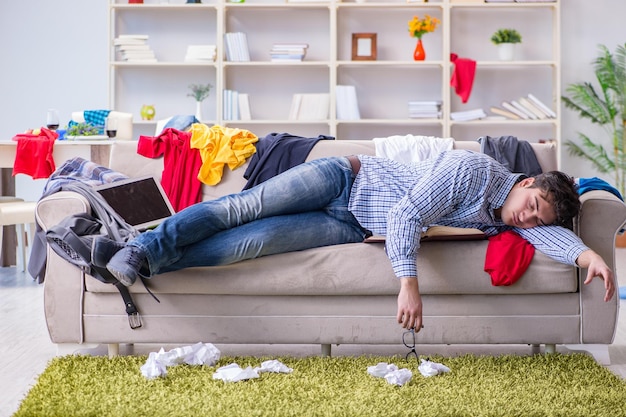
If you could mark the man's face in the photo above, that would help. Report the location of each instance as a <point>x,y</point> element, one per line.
<point>527,207</point>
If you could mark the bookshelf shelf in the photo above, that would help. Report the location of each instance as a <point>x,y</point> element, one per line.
<point>383,86</point>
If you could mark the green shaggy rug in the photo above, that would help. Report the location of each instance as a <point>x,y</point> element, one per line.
<point>540,385</point>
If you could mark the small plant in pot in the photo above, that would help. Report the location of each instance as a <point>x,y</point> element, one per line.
<point>199,92</point>
<point>506,39</point>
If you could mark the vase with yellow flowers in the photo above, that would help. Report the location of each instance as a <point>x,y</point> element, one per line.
<point>417,28</point>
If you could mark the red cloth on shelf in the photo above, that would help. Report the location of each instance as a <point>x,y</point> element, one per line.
<point>508,256</point>
<point>34,153</point>
<point>181,165</point>
<point>463,76</point>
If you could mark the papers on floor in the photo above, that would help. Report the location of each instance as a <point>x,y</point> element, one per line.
<point>467,115</point>
<point>234,373</point>
<point>134,48</point>
<point>396,376</point>
<point>428,368</point>
<point>198,354</point>
<point>425,109</point>
<point>201,53</point>
<point>288,51</point>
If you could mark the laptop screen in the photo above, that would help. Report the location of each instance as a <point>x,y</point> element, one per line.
<point>141,202</point>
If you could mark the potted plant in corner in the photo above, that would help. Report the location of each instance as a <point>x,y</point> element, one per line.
<point>199,92</point>
<point>506,39</point>
<point>607,109</point>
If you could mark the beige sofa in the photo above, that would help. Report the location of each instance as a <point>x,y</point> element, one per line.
<point>344,294</point>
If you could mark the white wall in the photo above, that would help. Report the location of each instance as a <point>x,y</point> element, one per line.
<point>54,54</point>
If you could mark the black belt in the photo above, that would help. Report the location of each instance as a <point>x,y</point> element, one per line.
<point>355,164</point>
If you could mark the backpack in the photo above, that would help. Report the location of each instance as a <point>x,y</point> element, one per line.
<point>72,239</point>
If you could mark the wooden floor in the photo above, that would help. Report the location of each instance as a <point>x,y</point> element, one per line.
<point>25,348</point>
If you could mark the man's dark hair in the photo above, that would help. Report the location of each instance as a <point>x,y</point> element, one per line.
<point>562,192</point>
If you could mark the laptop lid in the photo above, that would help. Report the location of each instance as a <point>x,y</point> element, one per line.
<point>141,202</point>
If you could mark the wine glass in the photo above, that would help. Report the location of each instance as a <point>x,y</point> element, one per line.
<point>52,119</point>
<point>110,126</point>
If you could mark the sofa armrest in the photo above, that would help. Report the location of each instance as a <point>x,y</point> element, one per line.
<point>64,283</point>
<point>55,207</point>
<point>601,217</point>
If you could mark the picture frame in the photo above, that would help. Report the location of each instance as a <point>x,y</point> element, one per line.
<point>364,47</point>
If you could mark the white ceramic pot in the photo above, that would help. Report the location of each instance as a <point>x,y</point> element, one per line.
<point>506,51</point>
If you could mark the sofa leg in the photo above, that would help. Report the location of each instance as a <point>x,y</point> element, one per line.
<point>326,350</point>
<point>550,348</point>
<point>535,349</point>
<point>114,349</point>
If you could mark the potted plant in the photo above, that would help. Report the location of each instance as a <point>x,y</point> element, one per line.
<point>506,39</point>
<point>607,109</point>
<point>199,92</point>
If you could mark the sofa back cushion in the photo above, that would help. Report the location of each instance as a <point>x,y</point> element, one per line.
<point>124,158</point>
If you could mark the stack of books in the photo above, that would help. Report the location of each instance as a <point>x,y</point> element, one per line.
<point>467,115</point>
<point>310,106</point>
<point>288,51</point>
<point>347,104</point>
<point>236,105</point>
<point>525,108</point>
<point>425,109</point>
<point>236,47</point>
<point>201,53</point>
<point>134,48</point>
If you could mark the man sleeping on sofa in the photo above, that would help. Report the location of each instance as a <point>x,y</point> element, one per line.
<point>339,200</point>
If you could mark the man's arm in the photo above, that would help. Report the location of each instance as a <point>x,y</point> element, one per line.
<point>596,267</point>
<point>410,304</point>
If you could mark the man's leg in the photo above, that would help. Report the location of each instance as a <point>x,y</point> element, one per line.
<point>268,236</point>
<point>320,184</point>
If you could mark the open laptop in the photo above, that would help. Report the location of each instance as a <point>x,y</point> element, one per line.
<point>141,202</point>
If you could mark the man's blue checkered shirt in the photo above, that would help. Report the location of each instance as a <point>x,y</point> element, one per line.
<point>458,188</point>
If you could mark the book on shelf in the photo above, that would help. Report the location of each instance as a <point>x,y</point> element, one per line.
<point>130,40</point>
<point>532,108</point>
<point>288,51</point>
<point>467,115</point>
<point>347,103</point>
<point>134,47</point>
<point>425,109</point>
<point>505,113</point>
<point>524,110</point>
<point>535,1</point>
<point>440,233</point>
<point>312,106</point>
<point>244,107</point>
<point>231,105</point>
<point>508,106</point>
<point>236,47</point>
<point>548,111</point>
<point>201,53</point>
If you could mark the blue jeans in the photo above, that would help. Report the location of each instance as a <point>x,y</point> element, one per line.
<point>302,208</point>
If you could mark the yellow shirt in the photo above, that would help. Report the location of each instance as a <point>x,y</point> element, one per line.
<point>220,146</point>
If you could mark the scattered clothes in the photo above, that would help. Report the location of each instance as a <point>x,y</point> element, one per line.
<point>181,122</point>
<point>409,149</point>
<point>181,165</point>
<point>93,117</point>
<point>507,258</point>
<point>221,146</point>
<point>429,368</point>
<point>463,76</point>
<point>622,293</point>
<point>517,156</point>
<point>595,183</point>
<point>34,153</point>
<point>277,152</point>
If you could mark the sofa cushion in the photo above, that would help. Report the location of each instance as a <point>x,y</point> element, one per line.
<point>445,268</point>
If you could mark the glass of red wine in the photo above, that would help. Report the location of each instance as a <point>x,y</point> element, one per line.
<point>52,119</point>
<point>110,126</point>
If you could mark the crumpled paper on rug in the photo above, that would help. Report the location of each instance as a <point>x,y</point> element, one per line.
<point>391,373</point>
<point>234,373</point>
<point>198,354</point>
<point>429,368</point>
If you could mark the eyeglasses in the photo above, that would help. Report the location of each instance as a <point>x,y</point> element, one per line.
<point>408,338</point>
